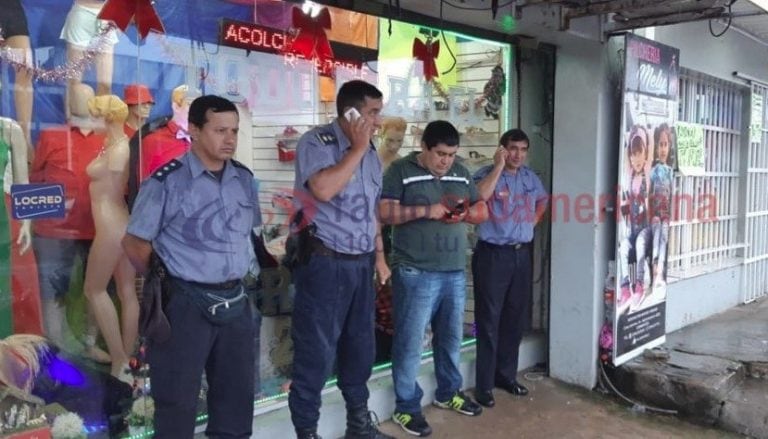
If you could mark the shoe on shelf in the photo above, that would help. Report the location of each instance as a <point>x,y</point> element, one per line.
<point>512,387</point>
<point>413,424</point>
<point>460,403</point>
<point>485,398</point>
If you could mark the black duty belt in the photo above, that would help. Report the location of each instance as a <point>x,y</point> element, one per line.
<point>228,285</point>
<point>319,248</point>
<point>517,246</point>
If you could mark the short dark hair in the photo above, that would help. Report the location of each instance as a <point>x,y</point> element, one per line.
<point>201,105</point>
<point>353,94</point>
<point>514,135</point>
<point>440,131</point>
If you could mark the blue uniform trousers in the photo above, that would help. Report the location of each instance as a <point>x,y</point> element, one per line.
<point>333,319</point>
<point>502,288</point>
<point>225,352</point>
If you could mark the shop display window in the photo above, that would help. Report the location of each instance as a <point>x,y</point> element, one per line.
<point>281,63</point>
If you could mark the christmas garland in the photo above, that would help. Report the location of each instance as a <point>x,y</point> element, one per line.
<point>71,70</point>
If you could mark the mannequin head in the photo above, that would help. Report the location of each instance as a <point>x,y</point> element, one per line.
<point>392,134</point>
<point>181,98</point>
<point>78,103</point>
<point>140,101</point>
<point>108,107</point>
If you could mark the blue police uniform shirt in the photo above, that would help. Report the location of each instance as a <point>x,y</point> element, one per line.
<point>512,207</point>
<point>347,223</point>
<point>199,226</point>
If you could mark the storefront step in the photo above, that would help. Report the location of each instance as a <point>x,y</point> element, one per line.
<point>274,420</point>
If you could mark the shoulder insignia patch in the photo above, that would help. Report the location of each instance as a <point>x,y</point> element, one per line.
<point>241,166</point>
<point>327,138</point>
<point>164,171</point>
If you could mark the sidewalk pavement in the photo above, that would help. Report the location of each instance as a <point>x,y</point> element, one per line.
<point>556,410</point>
<point>714,372</point>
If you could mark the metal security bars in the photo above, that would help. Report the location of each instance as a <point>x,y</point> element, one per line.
<point>756,227</point>
<point>705,232</point>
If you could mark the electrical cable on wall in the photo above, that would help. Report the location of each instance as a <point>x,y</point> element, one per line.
<point>469,8</point>
<point>727,26</point>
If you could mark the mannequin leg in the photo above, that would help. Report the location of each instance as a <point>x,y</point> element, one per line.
<point>102,262</point>
<point>125,278</point>
<point>23,93</point>
<point>104,69</point>
<point>73,54</point>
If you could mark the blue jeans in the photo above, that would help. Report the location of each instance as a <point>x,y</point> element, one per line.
<point>420,298</point>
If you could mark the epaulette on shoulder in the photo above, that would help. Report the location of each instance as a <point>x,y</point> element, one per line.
<point>326,137</point>
<point>241,166</point>
<point>164,171</point>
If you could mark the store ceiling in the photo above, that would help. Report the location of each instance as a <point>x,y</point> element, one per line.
<point>596,18</point>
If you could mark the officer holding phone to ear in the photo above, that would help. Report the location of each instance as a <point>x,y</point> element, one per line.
<point>501,264</point>
<point>337,188</point>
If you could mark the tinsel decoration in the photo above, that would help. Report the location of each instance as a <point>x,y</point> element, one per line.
<point>70,70</point>
<point>492,92</point>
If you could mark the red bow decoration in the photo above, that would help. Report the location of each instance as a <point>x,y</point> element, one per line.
<point>312,42</point>
<point>121,12</point>
<point>427,53</point>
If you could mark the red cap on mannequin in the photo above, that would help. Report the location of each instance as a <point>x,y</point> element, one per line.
<point>137,94</point>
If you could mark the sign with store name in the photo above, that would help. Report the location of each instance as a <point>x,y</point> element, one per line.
<point>690,148</point>
<point>651,69</point>
<point>35,201</point>
<point>258,38</point>
<point>251,36</point>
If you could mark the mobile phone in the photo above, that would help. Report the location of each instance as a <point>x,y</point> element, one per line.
<point>352,114</point>
<point>457,210</point>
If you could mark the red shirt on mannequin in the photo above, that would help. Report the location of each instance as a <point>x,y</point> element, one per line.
<point>61,156</point>
<point>162,146</point>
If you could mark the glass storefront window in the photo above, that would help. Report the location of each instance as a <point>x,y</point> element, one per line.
<point>282,66</point>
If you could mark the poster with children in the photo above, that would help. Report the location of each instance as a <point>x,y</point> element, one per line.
<point>646,181</point>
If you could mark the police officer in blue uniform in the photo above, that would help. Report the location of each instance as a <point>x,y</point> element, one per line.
<point>337,188</point>
<point>501,264</point>
<point>196,213</point>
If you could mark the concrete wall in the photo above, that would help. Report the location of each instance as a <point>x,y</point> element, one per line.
<point>584,166</point>
<point>697,298</point>
<point>718,57</point>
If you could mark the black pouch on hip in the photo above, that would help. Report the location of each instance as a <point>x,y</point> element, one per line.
<point>219,306</point>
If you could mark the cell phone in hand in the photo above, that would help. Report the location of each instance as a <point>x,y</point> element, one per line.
<point>352,114</point>
<point>457,210</point>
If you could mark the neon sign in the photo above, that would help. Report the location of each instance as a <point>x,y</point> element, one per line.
<point>251,36</point>
<point>258,38</point>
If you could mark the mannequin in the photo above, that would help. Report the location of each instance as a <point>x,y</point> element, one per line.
<point>170,141</point>
<point>14,25</point>
<point>80,30</point>
<point>109,176</point>
<point>61,244</point>
<point>140,101</point>
<point>392,135</point>
<point>22,312</point>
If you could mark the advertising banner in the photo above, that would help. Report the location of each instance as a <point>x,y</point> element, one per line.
<point>647,162</point>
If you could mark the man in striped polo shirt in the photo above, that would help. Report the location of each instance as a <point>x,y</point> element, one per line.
<point>429,199</point>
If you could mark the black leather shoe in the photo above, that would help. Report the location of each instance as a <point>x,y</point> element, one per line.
<point>485,398</point>
<point>512,387</point>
